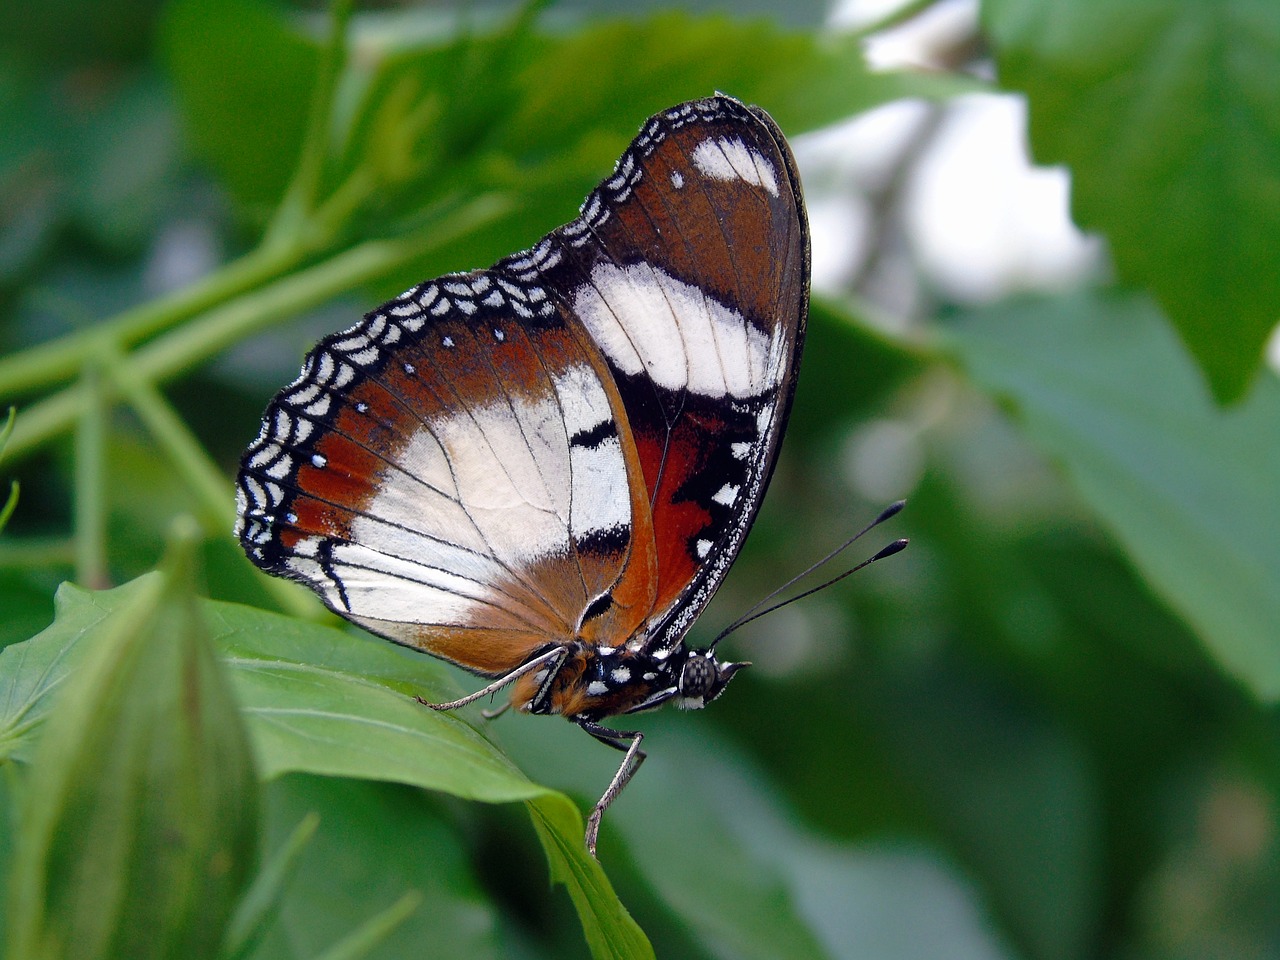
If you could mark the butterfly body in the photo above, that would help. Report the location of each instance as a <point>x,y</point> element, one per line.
<point>542,471</point>
<point>591,685</point>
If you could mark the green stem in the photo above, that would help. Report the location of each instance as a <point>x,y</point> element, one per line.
<point>91,482</point>
<point>10,505</point>
<point>185,453</point>
<point>373,931</point>
<point>293,217</point>
<point>202,338</point>
<point>37,553</point>
<point>11,501</point>
<point>61,359</point>
<point>213,495</point>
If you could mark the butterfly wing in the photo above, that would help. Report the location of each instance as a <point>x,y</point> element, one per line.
<point>689,270</point>
<point>572,443</point>
<point>452,473</point>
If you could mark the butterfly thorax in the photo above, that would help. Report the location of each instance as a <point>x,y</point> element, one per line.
<point>594,682</point>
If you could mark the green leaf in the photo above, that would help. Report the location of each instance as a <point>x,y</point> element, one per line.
<point>891,901</point>
<point>425,109</point>
<point>589,888</point>
<point>1168,114</point>
<point>320,700</point>
<point>805,79</point>
<point>736,901</point>
<point>723,854</point>
<point>734,893</point>
<point>1013,792</point>
<point>32,672</point>
<point>139,821</point>
<point>1187,489</point>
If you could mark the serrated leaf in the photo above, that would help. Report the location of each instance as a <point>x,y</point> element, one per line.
<point>1168,114</point>
<point>1188,490</point>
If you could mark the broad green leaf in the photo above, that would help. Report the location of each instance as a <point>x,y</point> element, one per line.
<point>724,855</point>
<point>32,672</point>
<point>1168,114</point>
<point>735,900</point>
<point>320,700</point>
<point>804,79</point>
<point>139,820</point>
<point>589,888</point>
<point>1011,790</point>
<point>892,902</point>
<point>732,891</point>
<point>1188,490</point>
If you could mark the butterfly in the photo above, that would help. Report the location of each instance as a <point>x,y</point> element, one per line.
<point>543,470</point>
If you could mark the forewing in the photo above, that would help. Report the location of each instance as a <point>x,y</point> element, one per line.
<point>689,270</point>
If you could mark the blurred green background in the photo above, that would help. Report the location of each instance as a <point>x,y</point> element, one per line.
<point>1045,731</point>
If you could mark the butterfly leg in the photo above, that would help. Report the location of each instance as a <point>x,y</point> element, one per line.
<point>628,741</point>
<point>556,654</point>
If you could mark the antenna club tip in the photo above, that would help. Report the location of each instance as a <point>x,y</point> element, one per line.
<point>896,547</point>
<point>891,511</point>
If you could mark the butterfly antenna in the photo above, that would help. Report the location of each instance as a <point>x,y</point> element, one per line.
<point>761,608</point>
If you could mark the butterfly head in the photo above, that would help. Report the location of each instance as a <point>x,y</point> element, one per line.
<point>702,678</point>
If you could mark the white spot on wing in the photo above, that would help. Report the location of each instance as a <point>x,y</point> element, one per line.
<point>726,159</point>
<point>582,398</point>
<point>599,495</point>
<point>601,500</point>
<point>646,320</point>
<point>500,484</point>
<point>726,495</point>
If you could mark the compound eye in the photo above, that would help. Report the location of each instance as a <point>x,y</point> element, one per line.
<point>697,677</point>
